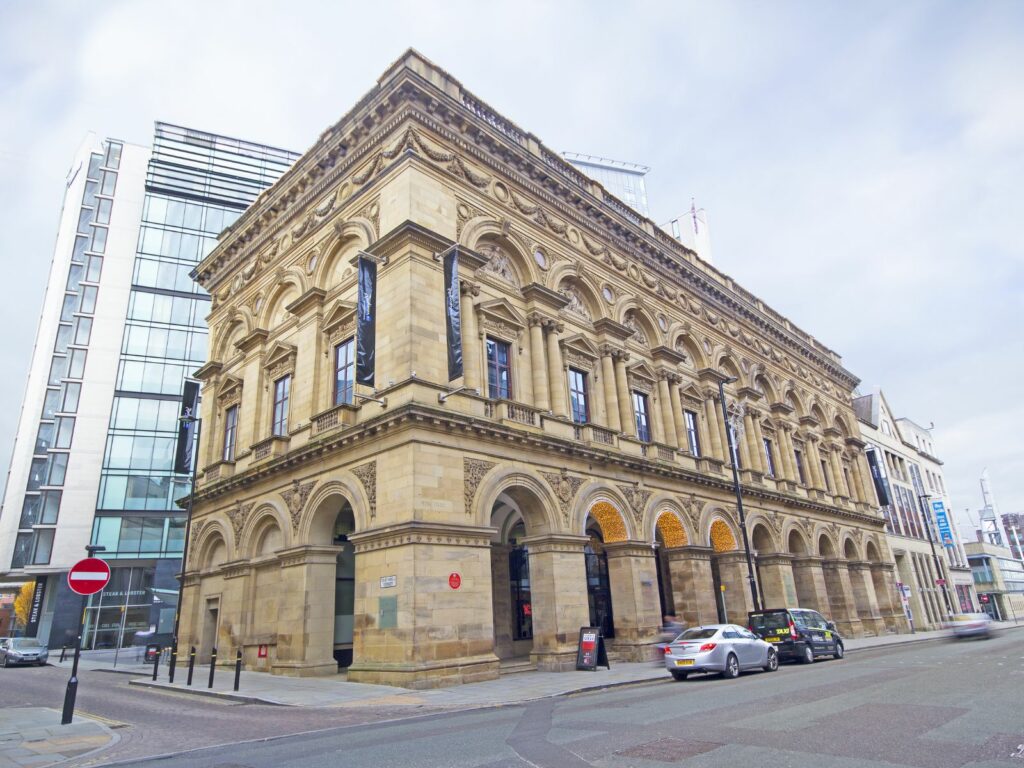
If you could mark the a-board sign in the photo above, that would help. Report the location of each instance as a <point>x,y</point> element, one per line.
<point>590,651</point>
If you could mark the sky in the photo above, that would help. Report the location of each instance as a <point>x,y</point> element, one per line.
<point>861,163</point>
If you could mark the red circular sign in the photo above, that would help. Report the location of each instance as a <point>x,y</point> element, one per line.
<point>89,576</point>
<point>454,580</point>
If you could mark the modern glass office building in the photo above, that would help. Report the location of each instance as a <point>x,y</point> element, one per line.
<point>624,180</point>
<point>122,326</point>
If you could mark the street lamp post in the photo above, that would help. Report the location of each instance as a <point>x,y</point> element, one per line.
<point>739,492</point>
<point>184,552</point>
<point>922,500</point>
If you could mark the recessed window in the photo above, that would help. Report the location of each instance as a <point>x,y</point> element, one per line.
<point>499,369</point>
<point>799,457</point>
<point>641,416</point>
<point>282,389</point>
<point>230,432</point>
<point>578,396</point>
<point>692,432</point>
<point>769,458</point>
<point>58,468</point>
<point>344,372</point>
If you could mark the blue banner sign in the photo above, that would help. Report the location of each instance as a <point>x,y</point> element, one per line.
<point>942,520</point>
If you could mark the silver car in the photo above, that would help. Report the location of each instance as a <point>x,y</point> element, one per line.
<point>724,648</point>
<point>22,650</point>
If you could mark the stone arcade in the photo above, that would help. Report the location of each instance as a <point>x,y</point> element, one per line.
<point>576,475</point>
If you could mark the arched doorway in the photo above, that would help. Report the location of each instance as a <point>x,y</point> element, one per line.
<point>669,533</point>
<point>603,524</point>
<point>512,589</point>
<point>722,541</point>
<point>333,524</point>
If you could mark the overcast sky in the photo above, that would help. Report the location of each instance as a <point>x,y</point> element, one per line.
<point>861,163</point>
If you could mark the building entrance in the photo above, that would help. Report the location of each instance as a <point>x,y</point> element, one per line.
<point>344,587</point>
<point>599,592</point>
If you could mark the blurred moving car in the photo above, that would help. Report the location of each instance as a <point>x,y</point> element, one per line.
<point>971,625</point>
<point>723,648</point>
<point>22,650</point>
<point>797,633</point>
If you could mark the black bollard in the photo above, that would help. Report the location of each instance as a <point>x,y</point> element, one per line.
<point>156,663</point>
<point>63,650</point>
<point>213,666</point>
<point>191,664</point>
<point>238,668</point>
<point>173,662</point>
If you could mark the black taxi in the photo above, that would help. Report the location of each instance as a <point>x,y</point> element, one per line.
<point>797,633</point>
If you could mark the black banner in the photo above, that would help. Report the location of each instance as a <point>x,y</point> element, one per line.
<point>453,312</point>
<point>366,322</point>
<point>187,428</point>
<point>881,487</point>
<point>35,613</point>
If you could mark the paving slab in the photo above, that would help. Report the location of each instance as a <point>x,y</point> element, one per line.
<point>33,736</point>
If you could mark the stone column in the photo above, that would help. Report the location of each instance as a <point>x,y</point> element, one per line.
<point>810,583</point>
<point>540,376</point>
<point>558,588</point>
<point>754,459</point>
<point>775,574</point>
<point>428,630</point>
<point>501,600</point>
<point>742,446</point>
<point>693,586</point>
<point>869,482</point>
<point>305,620</point>
<point>718,445</point>
<point>556,373</point>
<point>611,400</point>
<point>732,574</point>
<point>598,406</point>
<point>654,417</point>
<point>633,578</point>
<point>677,415</point>
<point>470,338</point>
<point>889,604</point>
<point>814,463</point>
<point>627,423</point>
<point>786,452</point>
<point>668,419</point>
<point>837,472</point>
<point>864,598</point>
<point>759,440</point>
<point>829,469</point>
<point>840,595</point>
<point>858,479</point>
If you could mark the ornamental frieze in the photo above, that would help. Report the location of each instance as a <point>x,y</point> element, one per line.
<point>296,498</point>
<point>637,498</point>
<point>238,515</point>
<point>367,474</point>
<point>473,471</point>
<point>565,487</point>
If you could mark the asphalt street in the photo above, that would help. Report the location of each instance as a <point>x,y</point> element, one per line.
<point>933,705</point>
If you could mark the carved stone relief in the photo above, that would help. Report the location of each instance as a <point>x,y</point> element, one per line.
<point>367,474</point>
<point>473,471</point>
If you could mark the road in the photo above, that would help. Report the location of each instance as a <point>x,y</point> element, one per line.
<point>933,705</point>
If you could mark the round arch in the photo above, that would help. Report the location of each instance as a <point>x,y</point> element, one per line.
<point>531,494</point>
<point>633,315</point>
<point>488,236</point>
<point>671,528</point>
<point>330,265</point>
<point>721,536</point>
<point>289,287</point>
<point>871,551</point>
<point>796,542</point>
<point>850,550</point>
<point>687,343</point>
<point>571,283</point>
<point>251,540</point>
<point>212,549</point>
<point>592,493</point>
<point>826,547</point>
<point>316,523</point>
<point>659,505</point>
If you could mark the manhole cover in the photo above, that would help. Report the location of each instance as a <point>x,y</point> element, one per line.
<point>670,750</point>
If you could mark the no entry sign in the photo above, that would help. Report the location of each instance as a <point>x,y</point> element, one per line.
<point>88,576</point>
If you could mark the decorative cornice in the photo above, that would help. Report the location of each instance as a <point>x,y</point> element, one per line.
<point>421,532</point>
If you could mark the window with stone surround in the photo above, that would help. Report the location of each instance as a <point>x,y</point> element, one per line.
<point>344,372</point>
<point>282,391</point>
<point>230,432</point>
<point>642,416</point>
<point>692,432</point>
<point>499,369</point>
<point>578,396</point>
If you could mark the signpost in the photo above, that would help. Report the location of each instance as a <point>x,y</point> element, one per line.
<point>86,577</point>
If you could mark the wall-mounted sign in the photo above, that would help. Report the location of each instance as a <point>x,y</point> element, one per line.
<point>36,611</point>
<point>386,582</point>
<point>262,652</point>
<point>942,520</point>
<point>454,580</point>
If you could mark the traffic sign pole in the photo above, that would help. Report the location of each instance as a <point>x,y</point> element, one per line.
<point>89,585</point>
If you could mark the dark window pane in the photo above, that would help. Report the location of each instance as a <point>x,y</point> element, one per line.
<point>30,511</point>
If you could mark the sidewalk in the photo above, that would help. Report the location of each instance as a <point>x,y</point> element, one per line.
<point>33,737</point>
<point>259,687</point>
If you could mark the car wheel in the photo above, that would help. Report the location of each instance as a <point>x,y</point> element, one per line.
<point>732,667</point>
<point>840,652</point>
<point>677,675</point>
<point>773,661</point>
<point>808,655</point>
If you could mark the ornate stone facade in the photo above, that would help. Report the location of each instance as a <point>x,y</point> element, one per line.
<point>426,499</point>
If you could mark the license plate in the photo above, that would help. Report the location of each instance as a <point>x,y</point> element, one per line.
<point>684,662</point>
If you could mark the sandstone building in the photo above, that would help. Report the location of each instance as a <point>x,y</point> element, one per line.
<point>422,532</point>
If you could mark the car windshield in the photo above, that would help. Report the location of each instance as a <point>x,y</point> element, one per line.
<point>765,622</point>
<point>698,633</point>
<point>24,642</point>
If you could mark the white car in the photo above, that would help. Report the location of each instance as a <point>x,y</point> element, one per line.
<point>727,649</point>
